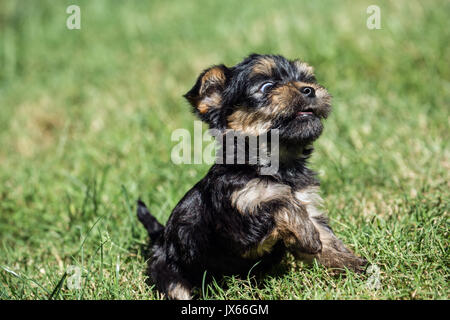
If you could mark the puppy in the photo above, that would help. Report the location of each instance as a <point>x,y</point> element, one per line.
<point>240,214</point>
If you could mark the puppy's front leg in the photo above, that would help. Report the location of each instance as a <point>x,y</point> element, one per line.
<point>292,223</point>
<point>297,230</point>
<point>334,253</point>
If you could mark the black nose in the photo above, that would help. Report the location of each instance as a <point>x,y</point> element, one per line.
<point>308,91</point>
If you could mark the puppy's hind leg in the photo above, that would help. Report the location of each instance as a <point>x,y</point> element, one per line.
<point>167,277</point>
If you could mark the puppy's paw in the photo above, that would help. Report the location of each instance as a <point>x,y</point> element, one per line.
<point>359,265</point>
<point>341,260</point>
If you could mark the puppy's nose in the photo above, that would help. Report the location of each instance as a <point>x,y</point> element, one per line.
<point>308,91</point>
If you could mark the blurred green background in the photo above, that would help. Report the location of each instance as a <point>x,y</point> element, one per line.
<point>87,115</point>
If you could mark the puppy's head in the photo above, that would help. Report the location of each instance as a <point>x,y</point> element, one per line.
<point>261,93</point>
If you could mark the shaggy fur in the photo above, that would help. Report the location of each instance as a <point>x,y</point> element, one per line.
<point>236,216</point>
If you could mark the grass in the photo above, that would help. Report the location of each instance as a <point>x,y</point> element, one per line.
<point>87,115</point>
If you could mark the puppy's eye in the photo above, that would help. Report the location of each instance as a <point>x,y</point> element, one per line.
<point>266,86</point>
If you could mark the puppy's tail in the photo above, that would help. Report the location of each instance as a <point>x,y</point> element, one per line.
<point>154,228</point>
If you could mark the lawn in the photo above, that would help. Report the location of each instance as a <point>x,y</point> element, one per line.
<point>87,116</point>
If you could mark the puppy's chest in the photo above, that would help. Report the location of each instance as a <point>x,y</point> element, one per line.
<point>291,202</point>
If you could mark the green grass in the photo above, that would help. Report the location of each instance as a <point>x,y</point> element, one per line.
<point>87,115</point>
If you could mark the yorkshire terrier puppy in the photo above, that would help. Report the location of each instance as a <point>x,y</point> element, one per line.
<point>239,215</point>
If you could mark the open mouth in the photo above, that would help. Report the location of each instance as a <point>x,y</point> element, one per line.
<point>305,114</point>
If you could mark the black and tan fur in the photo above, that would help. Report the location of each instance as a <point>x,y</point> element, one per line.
<point>236,216</point>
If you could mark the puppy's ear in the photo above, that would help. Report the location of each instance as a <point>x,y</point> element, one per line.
<point>206,96</point>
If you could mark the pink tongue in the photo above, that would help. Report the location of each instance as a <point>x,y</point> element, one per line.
<point>306,112</point>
